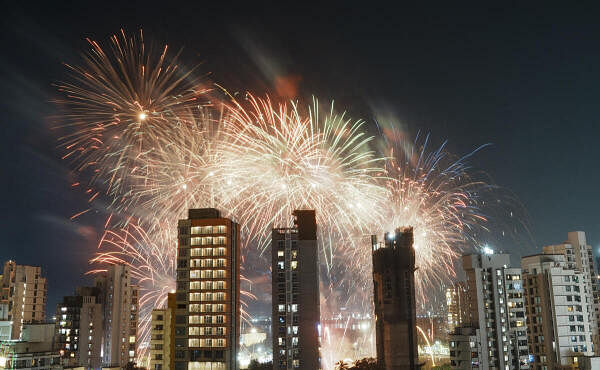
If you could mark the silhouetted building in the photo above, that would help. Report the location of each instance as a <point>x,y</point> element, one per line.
<point>394,296</point>
<point>296,309</point>
<point>207,309</point>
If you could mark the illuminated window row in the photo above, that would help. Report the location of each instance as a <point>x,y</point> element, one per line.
<point>220,296</point>
<point>207,285</point>
<point>220,229</point>
<point>207,330</point>
<point>293,265</point>
<point>207,240</point>
<point>206,342</point>
<point>291,308</point>
<point>208,252</point>
<point>206,319</point>
<point>209,307</point>
<point>220,262</point>
<point>207,274</point>
<point>294,341</point>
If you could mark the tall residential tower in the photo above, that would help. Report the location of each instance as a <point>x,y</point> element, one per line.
<point>207,309</point>
<point>296,310</point>
<point>120,306</point>
<point>23,293</point>
<point>394,296</point>
<point>497,307</point>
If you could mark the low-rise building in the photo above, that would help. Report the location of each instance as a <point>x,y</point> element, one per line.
<point>35,349</point>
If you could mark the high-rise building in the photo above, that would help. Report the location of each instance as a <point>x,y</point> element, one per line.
<point>497,307</point>
<point>207,314</point>
<point>295,284</point>
<point>162,336</point>
<point>457,302</point>
<point>24,290</point>
<point>558,317</point>
<point>579,256</point>
<point>79,331</point>
<point>120,307</point>
<point>465,348</point>
<point>394,296</point>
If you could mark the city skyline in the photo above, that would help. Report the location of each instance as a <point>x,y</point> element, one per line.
<point>475,126</point>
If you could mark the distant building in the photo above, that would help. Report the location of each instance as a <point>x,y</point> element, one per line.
<point>80,332</point>
<point>207,314</point>
<point>579,256</point>
<point>588,363</point>
<point>465,349</point>
<point>162,336</point>
<point>457,301</point>
<point>296,305</point>
<point>24,290</point>
<point>35,349</point>
<point>394,296</point>
<point>559,325</point>
<point>120,307</point>
<point>497,307</point>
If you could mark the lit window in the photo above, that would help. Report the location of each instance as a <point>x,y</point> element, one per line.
<point>194,342</point>
<point>219,240</point>
<point>131,339</point>
<point>294,265</point>
<point>281,308</point>
<point>280,253</point>
<point>196,241</point>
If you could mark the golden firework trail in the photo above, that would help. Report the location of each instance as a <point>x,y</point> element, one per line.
<point>155,142</point>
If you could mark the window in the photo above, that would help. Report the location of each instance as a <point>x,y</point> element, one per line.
<point>219,240</point>
<point>294,265</point>
<point>221,229</point>
<point>194,342</point>
<point>196,240</point>
<point>280,253</point>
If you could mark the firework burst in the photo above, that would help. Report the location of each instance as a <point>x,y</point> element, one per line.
<point>119,100</point>
<point>149,136</point>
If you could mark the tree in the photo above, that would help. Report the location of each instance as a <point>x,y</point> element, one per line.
<point>255,365</point>
<point>366,363</point>
<point>341,365</point>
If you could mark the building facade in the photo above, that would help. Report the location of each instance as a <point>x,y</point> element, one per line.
<point>394,296</point>
<point>34,350</point>
<point>579,256</point>
<point>80,331</point>
<point>24,290</point>
<point>558,318</point>
<point>295,284</point>
<point>120,307</point>
<point>495,291</point>
<point>208,292</point>
<point>465,348</point>
<point>162,336</point>
<point>457,302</point>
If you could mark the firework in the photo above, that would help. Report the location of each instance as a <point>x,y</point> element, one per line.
<point>118,102</point>
<point>152,141</point>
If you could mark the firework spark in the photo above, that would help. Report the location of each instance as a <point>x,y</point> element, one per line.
<point>152,141</point>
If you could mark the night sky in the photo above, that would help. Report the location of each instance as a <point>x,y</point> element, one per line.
<point>524,79</point>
